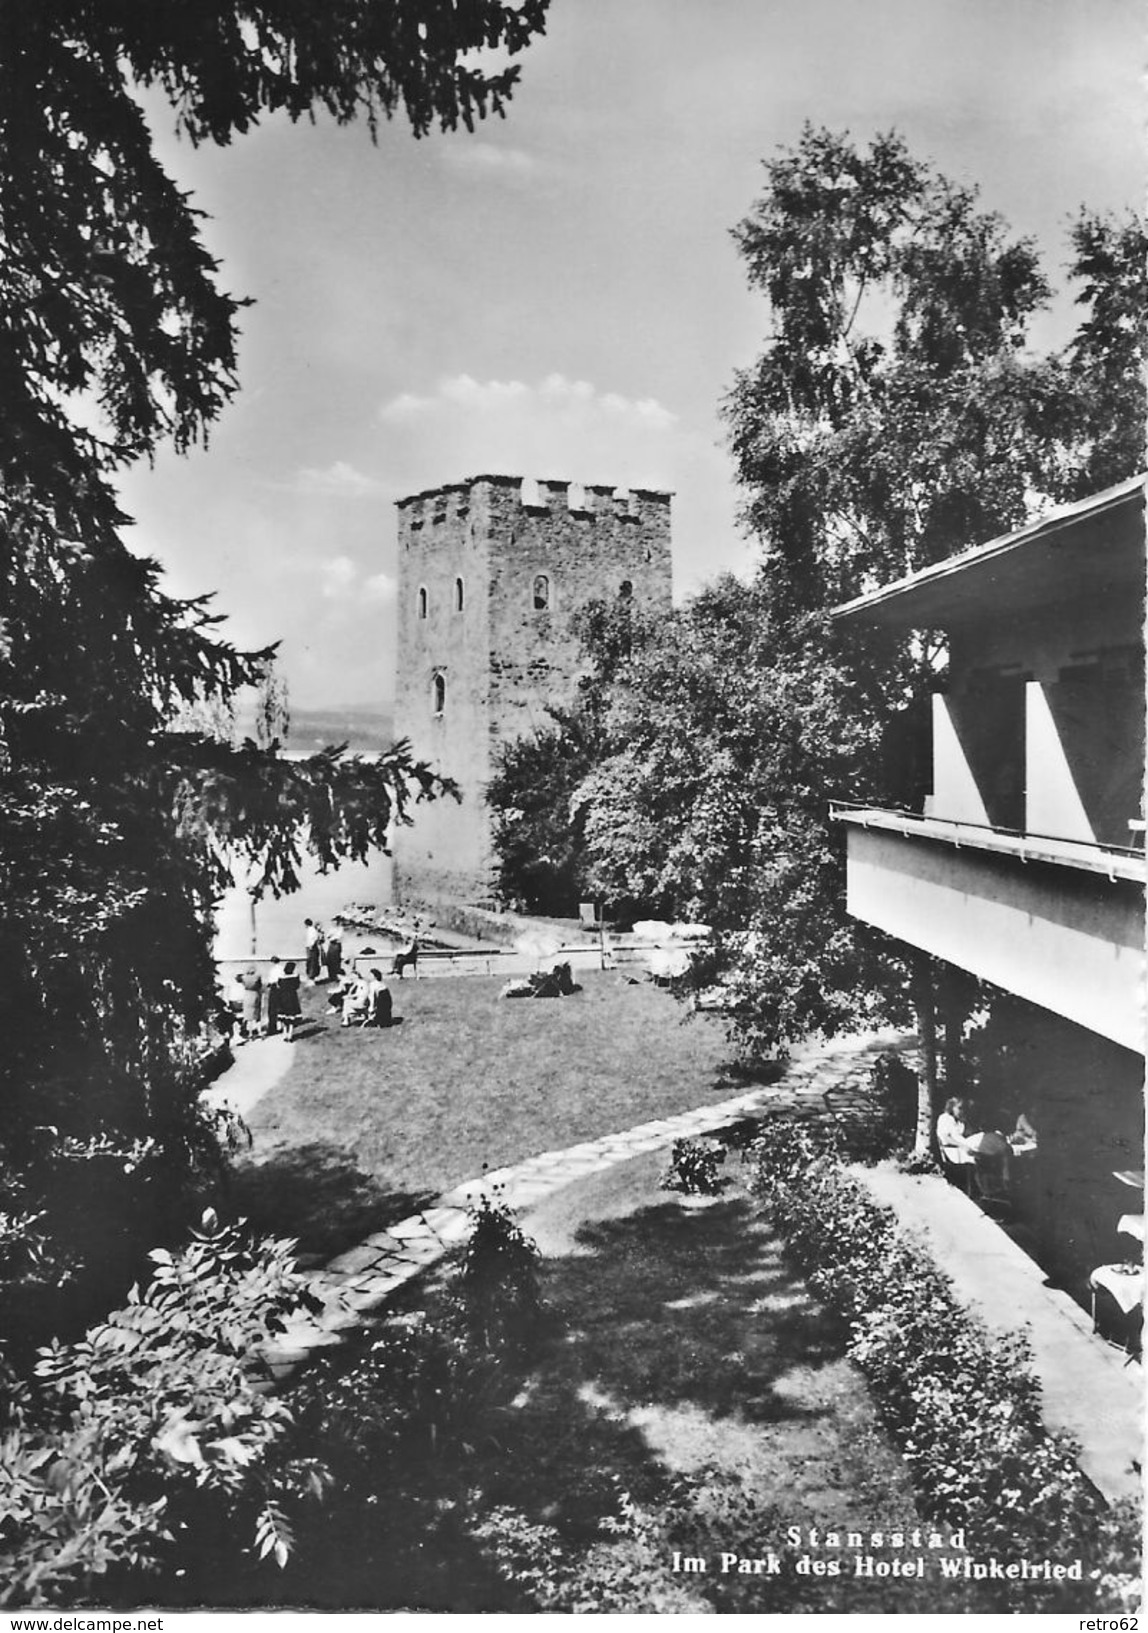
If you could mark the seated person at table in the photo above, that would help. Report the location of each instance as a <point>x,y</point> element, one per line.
<point>1023,1136</point>
<point>992,1155</point>
<point>952,1135</point>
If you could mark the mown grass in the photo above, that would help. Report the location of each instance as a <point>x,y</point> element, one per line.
<point>684,1367</point>
<point>367,1126</point>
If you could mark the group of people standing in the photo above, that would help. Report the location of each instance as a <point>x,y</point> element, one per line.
<point>263,1005</point>
<point>266,1005</point>
<point>323,954</point>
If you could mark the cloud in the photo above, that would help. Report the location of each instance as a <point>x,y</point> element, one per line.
<point>381,585</point>
<point>337,575</point>
<point>338,481</point>
<point>487,158</point>
<point>556,428</point>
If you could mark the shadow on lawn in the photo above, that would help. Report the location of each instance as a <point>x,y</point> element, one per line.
<point>662,1310</point>
<point>685,1367</point>
<point>315,1194</point>
<point>690,1369</point>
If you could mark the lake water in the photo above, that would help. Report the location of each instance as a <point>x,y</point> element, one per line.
<point>279,924</point>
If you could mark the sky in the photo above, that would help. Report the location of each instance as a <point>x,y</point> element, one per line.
<point>558,295</point>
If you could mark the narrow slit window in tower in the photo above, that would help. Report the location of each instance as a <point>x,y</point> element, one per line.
<point>459,595</point>
<point>422,600</point>
<point>541,592</point>
<point>439,694</point>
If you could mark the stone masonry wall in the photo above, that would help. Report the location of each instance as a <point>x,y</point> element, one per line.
<point>497,661</point>
<point>584,553</point>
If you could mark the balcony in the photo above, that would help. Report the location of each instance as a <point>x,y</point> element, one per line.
<point>1057,921</point>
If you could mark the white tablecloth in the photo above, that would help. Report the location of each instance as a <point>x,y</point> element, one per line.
<point>1125,1285</point>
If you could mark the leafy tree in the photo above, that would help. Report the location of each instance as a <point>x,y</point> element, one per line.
<point>118,819</point>
<point>537,841</point>
<point>538,837</point>
<point>897,415</point>
<point>724,745</point>
<point>894,414</point>
<point>1107,361</point>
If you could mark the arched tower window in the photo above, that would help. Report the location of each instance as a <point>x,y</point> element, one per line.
<point>422,600</point>
<point>626,590</point>
<point>541,593</point>
<point>459,595</point>
<point>438,693</point>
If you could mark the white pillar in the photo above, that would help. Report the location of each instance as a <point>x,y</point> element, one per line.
<point>1054,805</point>
<point>955,792</point>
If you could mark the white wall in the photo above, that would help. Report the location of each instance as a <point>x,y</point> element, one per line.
<point>1068,940</point>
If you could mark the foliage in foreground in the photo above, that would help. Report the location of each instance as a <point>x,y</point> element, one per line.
<point>119,819</point>
<point>962,1403</point>
<point>695,1168</point>
<point>116,1447</point>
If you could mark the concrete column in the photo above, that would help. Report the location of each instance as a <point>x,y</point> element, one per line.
<point>1053,804</point>
<point>955,791</point>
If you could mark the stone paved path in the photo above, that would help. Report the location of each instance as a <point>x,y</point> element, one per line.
<point>258,1066</point>
<point>828,1081</point>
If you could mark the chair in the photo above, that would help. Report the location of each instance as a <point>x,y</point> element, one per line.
<point>588,916</point>
<point>959,1174</point>
<point>993,1189</point>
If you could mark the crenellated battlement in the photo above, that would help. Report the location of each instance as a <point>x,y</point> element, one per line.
<point>550,495</point>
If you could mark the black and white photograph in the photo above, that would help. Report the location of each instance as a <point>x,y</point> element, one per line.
<point>634,506</point>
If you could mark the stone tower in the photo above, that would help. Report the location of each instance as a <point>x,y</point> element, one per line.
<point>491,572</point>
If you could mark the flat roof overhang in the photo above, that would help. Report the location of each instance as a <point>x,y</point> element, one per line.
<point>1088,550</point>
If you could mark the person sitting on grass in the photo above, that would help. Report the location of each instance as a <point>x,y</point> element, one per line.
<point>356,1002</point>
<point>380,1006</point>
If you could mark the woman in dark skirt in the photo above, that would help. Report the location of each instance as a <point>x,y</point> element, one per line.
<point>289,1010</point>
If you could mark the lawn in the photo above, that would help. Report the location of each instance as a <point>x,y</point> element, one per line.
<point>368,1126</point>
<point>685,1368</point>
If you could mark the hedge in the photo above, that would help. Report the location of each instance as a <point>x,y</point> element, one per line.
<point>962,1403</point>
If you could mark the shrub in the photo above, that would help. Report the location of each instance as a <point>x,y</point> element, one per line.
<point>117,1441</point>
<point>409,1399</point>
<point>627,1570</point>
<point>890,1120</point>
<point>694,1166</point>
<point>499,1298</point>
<point>962,1403</point>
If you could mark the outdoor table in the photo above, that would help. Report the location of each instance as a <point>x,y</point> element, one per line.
<point>988,1143</point>
<point>1130,1176</point>
<point>1124,1284</point>
<point>1131,1224</point>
